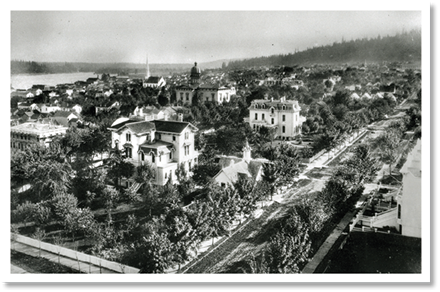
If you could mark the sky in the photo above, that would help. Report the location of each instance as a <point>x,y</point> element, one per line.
<point>186,36</point>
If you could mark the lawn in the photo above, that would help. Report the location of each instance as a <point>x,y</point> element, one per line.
<point>38,265</point>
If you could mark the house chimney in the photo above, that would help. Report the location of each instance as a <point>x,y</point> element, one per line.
<point>247,152</point>
<point>152,136</point>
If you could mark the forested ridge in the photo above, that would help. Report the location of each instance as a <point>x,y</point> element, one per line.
<point>31,67</point>
<point>403,47</point>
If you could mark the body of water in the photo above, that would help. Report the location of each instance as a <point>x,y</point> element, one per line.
<point>25,81</point>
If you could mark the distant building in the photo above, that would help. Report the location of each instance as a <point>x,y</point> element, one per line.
<point>281,114</point>
<point>185,93</point>
<point>153,81</point>
<point>24,134</point>
<point>150,113</point>
<point>163,144</point>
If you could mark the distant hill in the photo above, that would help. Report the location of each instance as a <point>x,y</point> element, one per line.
<point>401,47</point>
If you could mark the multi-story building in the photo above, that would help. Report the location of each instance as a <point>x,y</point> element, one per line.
<point>281,114</point>
<point>409,201</point>
<point>205,92</point>
<point>27,133</point>
<point>163,144</point>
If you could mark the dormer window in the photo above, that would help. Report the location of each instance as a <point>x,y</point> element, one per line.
<point>284,107</point>
<point>128,137</point>
<point>256,105</point>
<point>272,110</point>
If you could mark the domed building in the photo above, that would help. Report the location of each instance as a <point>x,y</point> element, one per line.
<point>204,91</point>
<point>195,74</point>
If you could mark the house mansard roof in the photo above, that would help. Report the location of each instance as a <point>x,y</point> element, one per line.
<point>143,127</point>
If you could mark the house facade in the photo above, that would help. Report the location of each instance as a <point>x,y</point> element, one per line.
<point>27,133</point>
<point>281,114</point>
<point>162,144</point>
<point>185,93</point>
<point>206,92</point>
<point>409,200</point>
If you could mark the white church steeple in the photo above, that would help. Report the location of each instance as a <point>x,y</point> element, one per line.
<point>148,69</point>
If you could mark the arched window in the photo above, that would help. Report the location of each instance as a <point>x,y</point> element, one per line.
<point>399,210</point>
<point>142,156</point>
<point>272,110</point>
<point>284,107</point>
<point>153,159</point>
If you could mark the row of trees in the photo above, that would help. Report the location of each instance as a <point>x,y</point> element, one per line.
<point>163,232</point>
<point>300,232</point>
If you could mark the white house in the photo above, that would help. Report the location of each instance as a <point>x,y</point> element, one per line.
<point>49,108</point>
<point>409,201</point>
<point>281,114</point>
<point>163,144</point>
<point>206,92</point>
<point>77,108</point>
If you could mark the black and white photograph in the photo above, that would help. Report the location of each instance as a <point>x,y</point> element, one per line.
<point>244,144</point>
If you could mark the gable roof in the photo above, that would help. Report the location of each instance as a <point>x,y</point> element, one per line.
<point>153,79</point>
<point>61,121</point>
<point>172,126</point>
<point>63,114</point>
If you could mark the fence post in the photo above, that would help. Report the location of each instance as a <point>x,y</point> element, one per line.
<point>76,254</point>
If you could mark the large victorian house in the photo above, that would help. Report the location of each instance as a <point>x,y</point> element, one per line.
<point>163,144</point>
<point>281,114</point>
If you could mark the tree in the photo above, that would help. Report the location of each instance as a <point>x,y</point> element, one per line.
<point>119,168</point>
<point>289,247</point>
<point>271,176</point>
<point>334,194</point>
<point>153,253</point>
<point>388,143</point>
<point>185,182</point>
<point>204,172</point>
<point>111,196</point>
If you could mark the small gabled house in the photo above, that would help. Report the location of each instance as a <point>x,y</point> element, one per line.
<point>234,168</point>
